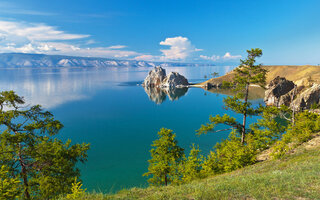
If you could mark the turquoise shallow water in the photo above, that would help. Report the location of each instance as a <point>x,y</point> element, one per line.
<point>106,107</point>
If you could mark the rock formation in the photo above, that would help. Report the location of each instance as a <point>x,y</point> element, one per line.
<point>278,92</point>
<point>174,79</point>
<point>307,98</point>
<point>284,92</point>
<point>157,78</point>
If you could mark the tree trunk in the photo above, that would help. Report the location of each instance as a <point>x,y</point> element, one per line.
<point>24,174</point>
<point>293,108</point>
<point>243,134</point>
<point>166,180</point>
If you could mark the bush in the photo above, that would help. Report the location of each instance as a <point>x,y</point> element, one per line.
<point>307,124</point>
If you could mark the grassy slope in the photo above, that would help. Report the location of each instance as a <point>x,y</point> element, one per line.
<point>290,72</point>
<point>295,177</point>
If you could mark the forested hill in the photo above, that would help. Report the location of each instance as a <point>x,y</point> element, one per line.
<point>42,60</point>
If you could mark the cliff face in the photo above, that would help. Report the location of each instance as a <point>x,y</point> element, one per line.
<point>278,92</point>
<point>284,92</point>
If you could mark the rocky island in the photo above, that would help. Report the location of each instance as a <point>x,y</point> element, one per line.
<point>158,85</point>
<point>157,78</point>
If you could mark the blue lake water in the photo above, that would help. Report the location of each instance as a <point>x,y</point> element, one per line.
<point>106,108</point>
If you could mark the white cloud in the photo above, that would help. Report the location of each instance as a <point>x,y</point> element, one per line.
<point>35,32</point>
<point>147,58</point>
<point>180,48</point>
<point>227,56</point>
<point>117,47</point>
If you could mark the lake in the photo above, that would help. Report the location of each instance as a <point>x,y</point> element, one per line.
<point>107,108</point>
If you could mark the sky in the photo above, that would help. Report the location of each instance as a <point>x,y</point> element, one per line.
<point>217,31</point>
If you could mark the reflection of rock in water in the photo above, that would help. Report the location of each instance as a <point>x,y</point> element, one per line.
<point>175,93</point>
<point>159,95</point>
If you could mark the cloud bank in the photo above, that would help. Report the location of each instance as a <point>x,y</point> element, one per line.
<point>23,37</point>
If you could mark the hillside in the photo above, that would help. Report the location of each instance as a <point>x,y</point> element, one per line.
<point>9,60</point>
<point>300,74</point>
<point>294,177</point>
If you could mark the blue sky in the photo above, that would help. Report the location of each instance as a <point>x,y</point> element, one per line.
<point>288,31</point>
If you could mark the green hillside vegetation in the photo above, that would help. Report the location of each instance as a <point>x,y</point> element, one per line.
<point>295,176</point>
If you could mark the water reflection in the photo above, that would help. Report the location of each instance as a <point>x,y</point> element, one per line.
<point>159,95</point>
<point>53,87</point>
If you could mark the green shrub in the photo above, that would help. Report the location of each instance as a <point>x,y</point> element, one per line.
<point>306,125</point>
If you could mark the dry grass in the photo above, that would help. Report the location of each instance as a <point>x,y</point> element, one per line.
<point>300,74</point>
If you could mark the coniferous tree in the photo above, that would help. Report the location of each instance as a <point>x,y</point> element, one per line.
<point>44,165</point>
<point>191,167</point>
<point>9,186</point>
<point>246,73</point>
<point>166,156</point>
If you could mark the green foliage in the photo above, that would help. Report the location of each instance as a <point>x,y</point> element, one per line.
<point>214,121</point>
<point>229,155</point>
<point>9,186</point>
<point>191,166</point>
<point>76,190</point>
<point>267,130</point>
<point>247,73</point>
<point>44,165</point>
<point>166,156</point>
<point>315,106</point>
<point>306,125</point>
<point>215,74</point>
<point>226,85</point>
<point>236,151</point>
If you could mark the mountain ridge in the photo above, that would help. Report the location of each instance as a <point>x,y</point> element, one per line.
<point>14,60</point>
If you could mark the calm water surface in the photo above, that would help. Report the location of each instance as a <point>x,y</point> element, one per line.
<point>106,108</point>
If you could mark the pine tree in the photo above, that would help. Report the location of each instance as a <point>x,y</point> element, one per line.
<point>9,186</point>
<point>44,165</point>
<point>191,167</point>
<point>166,156</point>
<point>246,74</point>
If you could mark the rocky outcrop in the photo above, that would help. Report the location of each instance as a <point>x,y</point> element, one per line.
<point>279,92</point>
<point>284,92</point>
<point>174,79</point>
<point>157,78</point>
<point>307,98</point>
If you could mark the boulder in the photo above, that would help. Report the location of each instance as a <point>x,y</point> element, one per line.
<point>278,92</point>
<point>155,77</point>
<point>174,79</point>
<point>307,98</point>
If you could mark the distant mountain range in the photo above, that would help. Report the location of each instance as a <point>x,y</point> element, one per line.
<point>13,60</point>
